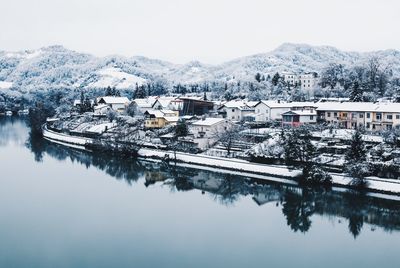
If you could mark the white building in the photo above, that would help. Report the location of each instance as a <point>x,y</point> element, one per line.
<point>208,127</point>
<point>238,110</point>
<point>305,80</point>
<point>144,104</point>
<point>168,103</point>
<point>205,132</point>
<point>118,104</point>
<point>371,116</point>
<point>267,110</point>
<point>101,109</point>
<point>297,118</point>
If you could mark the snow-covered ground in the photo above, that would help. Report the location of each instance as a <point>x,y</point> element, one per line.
<point>5,85</point>
<point>114,77</point>
<point>344,134</point>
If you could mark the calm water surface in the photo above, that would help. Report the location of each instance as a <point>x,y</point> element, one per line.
<point>67,208</point>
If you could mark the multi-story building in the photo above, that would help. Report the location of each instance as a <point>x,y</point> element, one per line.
<point>267,110</point>
<point>371,116</point>
<point>305,80</point>
<point>238,110</point>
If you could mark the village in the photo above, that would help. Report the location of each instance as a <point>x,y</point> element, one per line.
<point>258,132</point>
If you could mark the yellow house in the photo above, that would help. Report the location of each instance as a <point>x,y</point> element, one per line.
<point>160,118</point>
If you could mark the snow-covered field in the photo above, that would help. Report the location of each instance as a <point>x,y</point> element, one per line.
<point>114,77</point>
<point>5,85</point>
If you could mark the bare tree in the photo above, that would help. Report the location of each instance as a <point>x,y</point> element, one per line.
<point>229,135</point>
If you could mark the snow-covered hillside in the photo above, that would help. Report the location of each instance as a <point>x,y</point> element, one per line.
<point>114,77</point>
<point>57,67</point>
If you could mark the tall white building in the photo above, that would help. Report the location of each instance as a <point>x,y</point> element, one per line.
<point>305,80</point>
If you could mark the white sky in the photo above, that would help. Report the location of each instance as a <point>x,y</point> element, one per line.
<point>211,31</point>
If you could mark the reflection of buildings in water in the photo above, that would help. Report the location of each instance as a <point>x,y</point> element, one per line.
<point>298,204</point>
<point>151,177</point>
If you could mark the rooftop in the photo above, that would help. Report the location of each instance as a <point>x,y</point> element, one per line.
<point>208,122</point>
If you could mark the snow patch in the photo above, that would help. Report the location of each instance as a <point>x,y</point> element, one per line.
<point>114,77</point>
<point>5,85</point>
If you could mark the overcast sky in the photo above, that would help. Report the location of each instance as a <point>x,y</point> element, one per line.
<point>211,31</point>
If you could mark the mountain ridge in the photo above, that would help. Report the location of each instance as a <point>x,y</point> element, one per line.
<point>55,66</point>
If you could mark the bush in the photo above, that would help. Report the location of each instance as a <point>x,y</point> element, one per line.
<point>316,175</point>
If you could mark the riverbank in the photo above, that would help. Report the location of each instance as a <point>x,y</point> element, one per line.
<point>246,168</point>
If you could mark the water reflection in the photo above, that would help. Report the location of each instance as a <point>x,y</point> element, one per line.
<point>298,205</point>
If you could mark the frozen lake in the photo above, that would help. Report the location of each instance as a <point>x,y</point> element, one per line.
<point>61,207</point>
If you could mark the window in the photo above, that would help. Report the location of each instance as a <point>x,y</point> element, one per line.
<point>311,117</point>
<point>368,125</point>
<point>368,115</point>
<point>335,114</point>
<point>329,115</point>
<point>344,114</point>
<point>233,110</point>
<point>378,116</point>
<point>361,115</point>
<point>389,117</point>
<point>397,116</point>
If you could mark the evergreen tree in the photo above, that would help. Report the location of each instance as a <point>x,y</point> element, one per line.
<point>356,94</point>
<point>108,91</point>
<point>356,152</point>
<point>275,79</point>
<point>82,100</point>
<point>181,129</point>
<point>356,166</point>
<point>258,77</point>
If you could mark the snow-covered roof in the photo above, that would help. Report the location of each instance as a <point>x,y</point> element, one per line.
<point>100,106</point>
<point>281,104</point>
<point>78,102</point>
<point>359,107</point>
<point>144,103</point>
<point>171,119</point>
<point>240,104</point>
<point>301,112</point>
<point>163,102</point>
<point>100,128</point>
<point>114,100</point>
<point>161,113</point>
<point>208,122</point>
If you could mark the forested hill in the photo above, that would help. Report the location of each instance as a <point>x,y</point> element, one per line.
<point>57,68</point>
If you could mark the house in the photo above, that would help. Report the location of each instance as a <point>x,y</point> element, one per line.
<point>101,109</point>
<point>296,118</point>
<point>208,127</point>
<point>238,110</point>
<point>371,116</point>
<point>195,106</point>
<point>205,132</point>
<point>160,118</point>
<point>77,103</point>
<point>168,103</point>
<point>118,104</point>
<point>266,110</point>
<point>144,104</point>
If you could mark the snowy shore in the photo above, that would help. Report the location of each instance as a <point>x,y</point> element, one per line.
<point>246,168</point>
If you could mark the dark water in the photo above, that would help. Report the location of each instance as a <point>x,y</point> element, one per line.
<point>67,208</point>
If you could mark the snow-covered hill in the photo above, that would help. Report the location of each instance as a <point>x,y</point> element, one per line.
<point>57,67</point>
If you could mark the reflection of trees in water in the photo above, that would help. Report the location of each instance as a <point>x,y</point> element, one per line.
<point>298,204</point>
<point>298,210</point>
<point>119,167</point>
